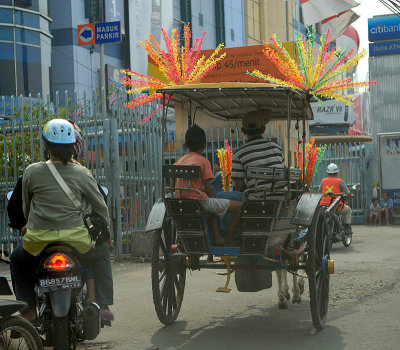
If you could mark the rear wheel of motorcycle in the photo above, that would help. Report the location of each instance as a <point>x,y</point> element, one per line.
<point>61,333</point>
<point>17,333</point>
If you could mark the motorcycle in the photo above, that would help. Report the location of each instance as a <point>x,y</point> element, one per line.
<point>15,332</point>
<point>66,314</point>
<point>338,232</point>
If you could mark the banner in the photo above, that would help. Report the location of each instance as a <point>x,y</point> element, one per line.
<point>332,112</point>
<point>237,62</point>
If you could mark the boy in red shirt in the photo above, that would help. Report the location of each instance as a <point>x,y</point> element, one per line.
<point>195,141</point>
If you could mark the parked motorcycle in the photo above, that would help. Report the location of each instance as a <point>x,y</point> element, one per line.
<point>15,332</point>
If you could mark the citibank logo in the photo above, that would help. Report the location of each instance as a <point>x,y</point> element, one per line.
<point>381,28</point>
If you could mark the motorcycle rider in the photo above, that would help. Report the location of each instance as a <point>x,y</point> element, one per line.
<point>334,184</point>
<point>52,217</point>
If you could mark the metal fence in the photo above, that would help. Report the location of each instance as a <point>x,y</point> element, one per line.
<point>352,159</point>
<point>123,155</point>
<point>126,157</point>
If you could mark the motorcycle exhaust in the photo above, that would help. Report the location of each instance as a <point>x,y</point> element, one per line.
<point>91,321</point>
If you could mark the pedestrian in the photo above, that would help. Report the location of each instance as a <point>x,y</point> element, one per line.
<point>374,213</point>
<point>386,207</point>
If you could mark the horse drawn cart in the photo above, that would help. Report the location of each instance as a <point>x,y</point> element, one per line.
<point>285,230</point>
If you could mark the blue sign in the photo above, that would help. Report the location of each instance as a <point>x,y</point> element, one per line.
<point>384,48</point>
<point>107,32</point>
<point>383,28</point>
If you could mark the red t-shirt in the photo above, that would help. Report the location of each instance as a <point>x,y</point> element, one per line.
<point>206,173</point>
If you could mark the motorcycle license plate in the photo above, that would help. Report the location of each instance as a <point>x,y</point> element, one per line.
<point>64,282</point>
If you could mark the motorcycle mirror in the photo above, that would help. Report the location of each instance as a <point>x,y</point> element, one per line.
<point>354,187</point>
<point>105,190</point>
<point>9,194</point>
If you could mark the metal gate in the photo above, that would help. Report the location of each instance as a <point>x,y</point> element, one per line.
<point>122,155</point>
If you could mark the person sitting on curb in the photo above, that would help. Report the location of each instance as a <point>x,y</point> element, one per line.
<point>386,207</point>
<point>374,212</point>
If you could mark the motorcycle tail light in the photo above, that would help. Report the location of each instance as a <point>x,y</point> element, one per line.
<point>58,262</point>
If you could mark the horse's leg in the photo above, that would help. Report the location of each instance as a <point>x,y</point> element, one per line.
<point>282,303</point>
<point>296,296</point>
<point>285,285</point>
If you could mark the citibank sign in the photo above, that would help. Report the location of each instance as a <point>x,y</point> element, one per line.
<point>383,28</point>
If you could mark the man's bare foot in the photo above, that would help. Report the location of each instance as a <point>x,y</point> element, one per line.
<point>106,313</point>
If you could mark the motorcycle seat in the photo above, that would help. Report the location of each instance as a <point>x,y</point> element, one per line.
<point>9,307</point>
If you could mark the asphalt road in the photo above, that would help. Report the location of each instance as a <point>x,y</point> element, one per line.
<point>364,310</point>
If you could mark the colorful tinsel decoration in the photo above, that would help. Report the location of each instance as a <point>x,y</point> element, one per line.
<point>180,64</point>
<point>312,158</point>
<point>320,78</point>
<point>225,163</point>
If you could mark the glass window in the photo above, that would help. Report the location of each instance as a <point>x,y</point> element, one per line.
<point>27,19</point>
<point>6,33</point>
<point>28,4</point>
<point>29,70</point>
<point>6,16</point>
<point>27,36</point>
<point>6,2</point>
<point>7,81</point>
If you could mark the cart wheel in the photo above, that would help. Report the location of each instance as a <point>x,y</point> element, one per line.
<point>168,274</point>
<point>317,270</point>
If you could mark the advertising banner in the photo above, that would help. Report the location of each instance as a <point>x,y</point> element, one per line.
<point>384,28</point>
<point>384,48</point>
<point>332,112</point>
<point>237,62</point>
<point>389,148</point>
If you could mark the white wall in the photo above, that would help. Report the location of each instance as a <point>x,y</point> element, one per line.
<point>145,17</point>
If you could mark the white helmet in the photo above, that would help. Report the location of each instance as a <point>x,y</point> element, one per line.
<point>332,169</point>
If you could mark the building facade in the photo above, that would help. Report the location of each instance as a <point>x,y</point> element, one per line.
<point>25,47</point>
<point>77,68</point>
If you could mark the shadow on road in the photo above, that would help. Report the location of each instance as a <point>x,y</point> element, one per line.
<point>254,328</point>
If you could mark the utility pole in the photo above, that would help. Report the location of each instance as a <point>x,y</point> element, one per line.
<point>102,81</point>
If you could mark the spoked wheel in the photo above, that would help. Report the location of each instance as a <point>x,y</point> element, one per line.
<point>168,274</point>
<point>18,334</point>
<point>317,269</point>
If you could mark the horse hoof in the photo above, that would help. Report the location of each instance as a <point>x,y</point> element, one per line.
<point>282,304</point>
<point>296,300</point>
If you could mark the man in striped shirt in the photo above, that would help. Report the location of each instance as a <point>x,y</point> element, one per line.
<point>256,152</point>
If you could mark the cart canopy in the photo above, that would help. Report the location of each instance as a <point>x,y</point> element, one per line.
<point>229,101</point>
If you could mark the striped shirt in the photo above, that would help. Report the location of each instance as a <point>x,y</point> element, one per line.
<point>257,153</point>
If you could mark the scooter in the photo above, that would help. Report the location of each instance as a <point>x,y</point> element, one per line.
<point>15,332</point>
